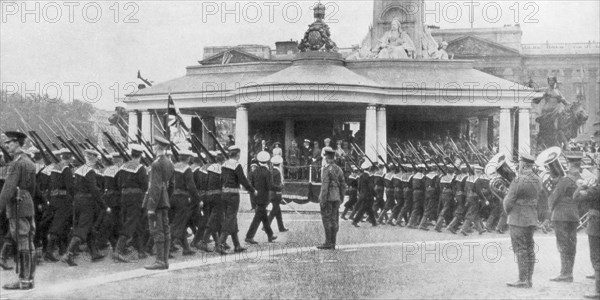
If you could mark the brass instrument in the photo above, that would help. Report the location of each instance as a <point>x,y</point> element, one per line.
<point>550,166</point>
<point>501,174</point>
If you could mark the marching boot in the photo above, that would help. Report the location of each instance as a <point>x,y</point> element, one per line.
<point>25,282</point>
<point>68,257</point>
<point>95,253</point>
<point>412,222</point>
<point>424,224</point>
<point>333,238</point>
<point>452,226</point>
<point>141,249</point>
<point>479,227</point>
<point>187,251</point>
<point>203,244</point>
<point>439,224</point>
<point>531,266</point>
<point>219,244</point>
<point>466,227</point>
<point>215,238</point>
<point>197,237</point>
<point>159,264</point>
<point>49,255</point>
<point>344,213</point>
<point>236,243</point>
<point>523,281</point>
<point>382,215</point>
<point>3,256</point>
<point>32,267</point>
<point>327,245</point>
<point>566,275</point>
<point>597,294</point>
<point>118,254</point>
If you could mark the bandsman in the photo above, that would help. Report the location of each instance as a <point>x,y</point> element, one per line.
<point>564,215</point>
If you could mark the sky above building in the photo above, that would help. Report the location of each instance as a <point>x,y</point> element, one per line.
<point>93,50</point>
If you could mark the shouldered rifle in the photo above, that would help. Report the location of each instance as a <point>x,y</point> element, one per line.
<point>395,157</point>
<point>116,146</point>
<point>360,152</point>
<point>214,138</point>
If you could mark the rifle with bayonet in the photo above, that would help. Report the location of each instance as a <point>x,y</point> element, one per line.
<point>214,138</point>
<point>462,157</point>
<point>395,157</point>
<point>48,156</point>
<point>360,152</point>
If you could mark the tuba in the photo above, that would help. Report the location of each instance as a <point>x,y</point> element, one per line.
<point>501,175</point>
<point>550,166</point>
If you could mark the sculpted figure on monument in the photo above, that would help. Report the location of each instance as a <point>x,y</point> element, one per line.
<point>559,120</point>
<point>318,37</point>
<point>396,43</point>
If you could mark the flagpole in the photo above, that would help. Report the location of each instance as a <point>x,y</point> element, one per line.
<point>167,126</point>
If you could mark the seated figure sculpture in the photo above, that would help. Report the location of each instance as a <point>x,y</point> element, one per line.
<point>396,43</point>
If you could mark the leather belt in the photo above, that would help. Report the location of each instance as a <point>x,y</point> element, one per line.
<point>230,190</point>
<point>127,191</point>
<point>58,193</point>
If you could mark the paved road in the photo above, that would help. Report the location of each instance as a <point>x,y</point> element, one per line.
<point>383,262</point>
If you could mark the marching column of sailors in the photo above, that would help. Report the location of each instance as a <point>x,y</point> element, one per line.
<point>149,208</point>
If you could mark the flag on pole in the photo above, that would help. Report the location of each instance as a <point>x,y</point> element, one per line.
<point>174,116</point>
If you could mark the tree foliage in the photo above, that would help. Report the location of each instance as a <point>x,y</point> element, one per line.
<point>52,111</point>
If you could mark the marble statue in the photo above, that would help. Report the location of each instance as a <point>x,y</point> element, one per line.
<point>396,43</point>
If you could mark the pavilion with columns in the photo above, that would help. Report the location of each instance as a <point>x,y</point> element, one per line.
<point>322,90</point>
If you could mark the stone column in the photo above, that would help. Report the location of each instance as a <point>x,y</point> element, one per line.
<point>483,132</point>
<point>381,131</point>
<point>371,132</point>
<point>505,139</point>
<point>146,125</point>
<point>524,134</point>
<point>241,134</point>
<point>289,134</point>
<point>133,124</point>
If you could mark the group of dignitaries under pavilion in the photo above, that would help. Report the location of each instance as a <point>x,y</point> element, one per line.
<point>151,207</point>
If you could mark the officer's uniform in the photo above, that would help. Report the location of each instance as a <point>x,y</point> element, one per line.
<point>520,205</point>
<point>16,199</point>
<point>330,198</point>
<point>157,204</point>
<point>275,196</point>
<point>262,181</point>
<point>565,219</point>
<point>446,200</point>
<point>133,184</point>
<point>232,176</point>
<point>185,196</point>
